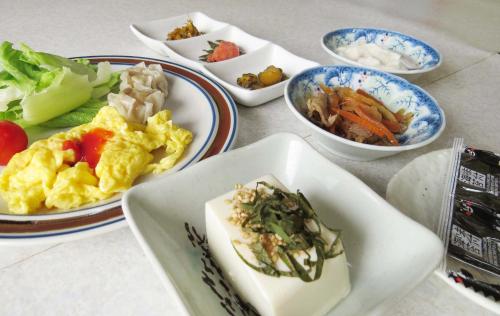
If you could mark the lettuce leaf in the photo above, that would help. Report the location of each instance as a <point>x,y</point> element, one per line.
<point>46,86</point>
<point>104,72</point>
<point>65,92</point>
<point>86,112</point>
<point>9,94</point>
<point>25,74</point>
<point>81,115</point>
<point>13,111</point>
<point>112,85</point>
<point>50,62</point>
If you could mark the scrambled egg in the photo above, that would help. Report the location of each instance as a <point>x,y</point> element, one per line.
<point>43,176</point>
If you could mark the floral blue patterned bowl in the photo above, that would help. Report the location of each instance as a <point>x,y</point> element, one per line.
<point>396,93</point>
<point>427,57</point>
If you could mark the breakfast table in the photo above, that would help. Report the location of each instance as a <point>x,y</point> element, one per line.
<point>109,274</point>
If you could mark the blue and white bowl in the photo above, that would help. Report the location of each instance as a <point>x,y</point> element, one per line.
<point>427,57</point>
<point>396,93</point>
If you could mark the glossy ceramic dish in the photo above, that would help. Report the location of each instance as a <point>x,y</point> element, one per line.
<point>197,103</point>
<point>396,93</point>
<point>258,54</point>
<point>170,226</point>
<point>426,56</point>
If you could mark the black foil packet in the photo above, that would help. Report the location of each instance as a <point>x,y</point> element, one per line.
<point>470,220</point>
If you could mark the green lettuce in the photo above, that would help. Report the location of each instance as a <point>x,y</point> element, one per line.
<point>81,115</point>
<point>112,85</point>
<point>37,87</point>
<point>51,62</point>
<point>64,91</point>
<point>13,111</point>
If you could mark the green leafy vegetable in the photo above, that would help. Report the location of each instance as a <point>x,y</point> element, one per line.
<point>50,62</point>
<point>25,74</point>
<point>7,95</point>
<point>66,92</point>
<point>81,115</point>
<point>13,111</point>
<point>282,225</point>
<point>111,85</point>
<point>46,86</point>
<point>86,112</point>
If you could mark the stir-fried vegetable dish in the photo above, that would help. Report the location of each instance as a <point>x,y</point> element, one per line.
<point>357,116</point>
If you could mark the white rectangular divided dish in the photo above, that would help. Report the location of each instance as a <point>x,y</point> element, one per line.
<point>389,254</point>
<point>258,54</point>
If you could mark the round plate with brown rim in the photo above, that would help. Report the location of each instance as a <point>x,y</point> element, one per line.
<point>197,103</point>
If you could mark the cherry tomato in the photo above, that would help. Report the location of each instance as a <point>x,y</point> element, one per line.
<point>13,139</point>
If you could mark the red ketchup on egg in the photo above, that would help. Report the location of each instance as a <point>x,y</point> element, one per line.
<point>90,146</point>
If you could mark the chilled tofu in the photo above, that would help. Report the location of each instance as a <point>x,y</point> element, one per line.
<point>270,295</point>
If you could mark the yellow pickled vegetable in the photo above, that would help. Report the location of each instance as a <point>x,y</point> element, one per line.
<point>270,76</point>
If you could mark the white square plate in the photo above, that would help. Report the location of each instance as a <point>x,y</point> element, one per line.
<point>389,253</point>
<point>258,54</point>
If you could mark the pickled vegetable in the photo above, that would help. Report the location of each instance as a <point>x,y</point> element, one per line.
<point>270,76</point>
<point>249,81</point>
<point>183,32</point>
<point>220,50</point>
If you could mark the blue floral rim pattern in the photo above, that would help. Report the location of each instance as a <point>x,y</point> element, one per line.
<point>425,55</point>
<point>396,93</point>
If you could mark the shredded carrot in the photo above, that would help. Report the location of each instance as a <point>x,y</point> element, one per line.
<point>370,111</point>
<point>393,127</point>
<point>387,133</point>
<point>373,126</point>
<point>366,111</point>
<point>365,97</point>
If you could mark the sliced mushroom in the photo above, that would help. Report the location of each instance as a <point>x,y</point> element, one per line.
<point>319,104</point>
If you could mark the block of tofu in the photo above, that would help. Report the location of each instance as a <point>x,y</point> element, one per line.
<point>272,296</point>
